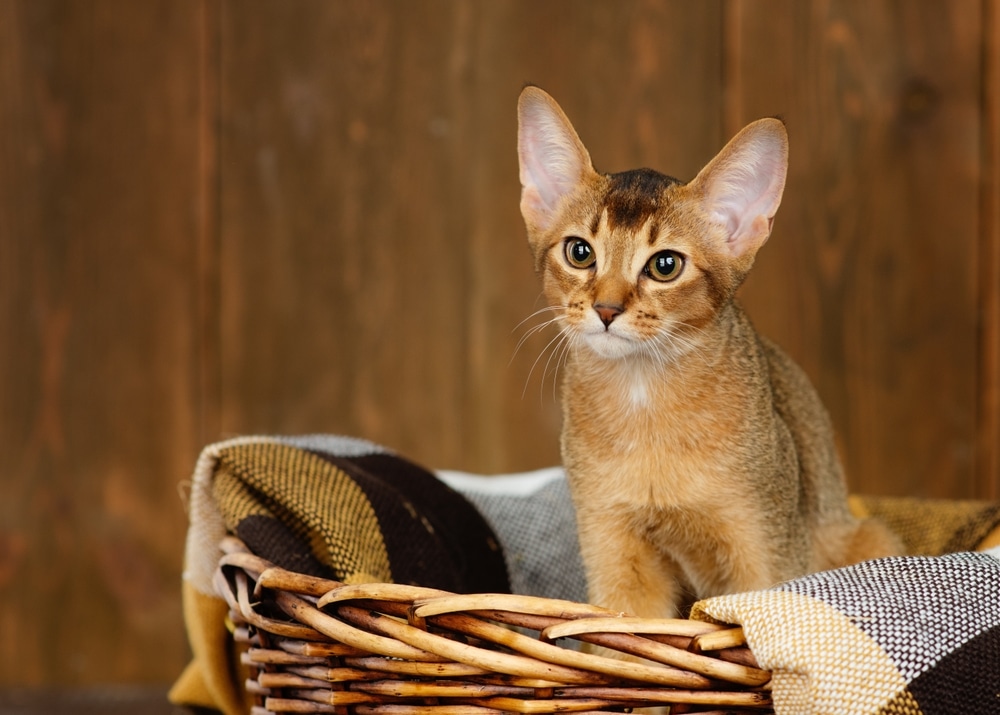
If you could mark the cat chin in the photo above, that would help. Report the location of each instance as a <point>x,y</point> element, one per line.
<point>610,346</point>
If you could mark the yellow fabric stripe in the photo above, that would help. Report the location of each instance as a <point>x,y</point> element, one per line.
<point>236,498</point>
<point>215,677</point>
<point>858,506</point>
<point>992,540</point>
<point>928,526</point>
<point>791,634</point>
<point>320,503</point>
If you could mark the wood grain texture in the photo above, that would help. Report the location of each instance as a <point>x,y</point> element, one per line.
<point>870,278</point>
<point>98,372</point>
<point>988,444</point>
<point>337,210</point>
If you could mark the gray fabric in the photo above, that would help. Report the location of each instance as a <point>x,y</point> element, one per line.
<point>334,444</point>
<point>538,535</point>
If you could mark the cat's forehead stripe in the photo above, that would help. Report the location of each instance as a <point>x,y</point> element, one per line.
<point>595,225</point>
<point>633,196</point>
<point>654,231</point>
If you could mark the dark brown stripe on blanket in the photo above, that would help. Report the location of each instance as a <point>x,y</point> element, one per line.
<point>433,535</point>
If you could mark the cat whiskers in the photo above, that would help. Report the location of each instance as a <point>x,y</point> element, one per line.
<point>557,348</point>
<point>559,352</point>
<point>667,347</point>
<point>534,329</point>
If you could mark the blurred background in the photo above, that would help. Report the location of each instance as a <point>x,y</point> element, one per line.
<point>290,216</point>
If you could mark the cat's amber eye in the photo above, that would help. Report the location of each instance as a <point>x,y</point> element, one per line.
<point>579,253</point>
<point>665,266</point>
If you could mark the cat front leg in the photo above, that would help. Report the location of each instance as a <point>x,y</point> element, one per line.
<point>625,570</point>
<point>731,549</point>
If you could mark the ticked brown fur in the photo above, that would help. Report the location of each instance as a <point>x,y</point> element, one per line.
<point>700,458</point>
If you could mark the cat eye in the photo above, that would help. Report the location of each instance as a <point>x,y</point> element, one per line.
<point>665,266</point>
<point>579,253</point>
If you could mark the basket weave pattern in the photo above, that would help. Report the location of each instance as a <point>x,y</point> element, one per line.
<point>314,645</point>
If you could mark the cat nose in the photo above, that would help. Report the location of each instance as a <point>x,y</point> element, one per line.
<point>608,312</point>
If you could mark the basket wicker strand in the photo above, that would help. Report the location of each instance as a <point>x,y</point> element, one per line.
<point>318,646</point>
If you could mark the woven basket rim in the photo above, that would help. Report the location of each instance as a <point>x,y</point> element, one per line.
<point>315,645</point>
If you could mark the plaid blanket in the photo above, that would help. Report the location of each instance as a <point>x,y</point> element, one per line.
<point>905,636</point>
<point>329,506</point>
<point>900,636</point>
<point>347,510</point>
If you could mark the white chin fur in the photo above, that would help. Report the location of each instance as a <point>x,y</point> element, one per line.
<point>609,345</point>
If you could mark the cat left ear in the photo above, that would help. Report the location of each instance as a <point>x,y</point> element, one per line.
<point>552,158</point>
<point>743,184</point>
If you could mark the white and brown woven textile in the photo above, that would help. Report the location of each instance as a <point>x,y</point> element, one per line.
<point>900,636</point>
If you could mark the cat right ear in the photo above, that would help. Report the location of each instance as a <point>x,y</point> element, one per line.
<point>742,186</point>
<point>552,158</point>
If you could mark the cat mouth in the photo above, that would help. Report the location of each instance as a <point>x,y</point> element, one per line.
<point>609,343</point>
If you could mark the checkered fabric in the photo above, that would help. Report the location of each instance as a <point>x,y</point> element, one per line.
<point>899,636</point>
<point>339,508</point>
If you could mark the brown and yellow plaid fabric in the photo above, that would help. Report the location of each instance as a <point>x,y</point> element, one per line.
<point>328,506</point>
<point>359,519</point>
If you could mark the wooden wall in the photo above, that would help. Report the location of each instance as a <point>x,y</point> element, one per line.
<point>220,218</point>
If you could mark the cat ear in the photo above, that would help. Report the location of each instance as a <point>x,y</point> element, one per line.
<point>742,185</point>
<point>552,158</point>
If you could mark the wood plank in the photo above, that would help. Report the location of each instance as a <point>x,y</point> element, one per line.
<point>342,295</point>
<point>988,444</point>
<point>208,14</point>
<point>99,182</point>
<point>376,268</point>
<point>870,278</point>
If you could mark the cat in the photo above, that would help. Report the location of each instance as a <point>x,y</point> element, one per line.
<point>699,457</point>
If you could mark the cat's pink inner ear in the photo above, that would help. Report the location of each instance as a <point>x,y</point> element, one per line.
<point>552,159</point>
<point>744,183</point>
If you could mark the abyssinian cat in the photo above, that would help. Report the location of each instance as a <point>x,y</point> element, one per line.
<point>699,456</point>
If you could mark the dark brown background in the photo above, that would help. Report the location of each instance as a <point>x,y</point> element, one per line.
<point>220,218</point>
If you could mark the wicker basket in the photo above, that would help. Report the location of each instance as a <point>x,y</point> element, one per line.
<point>313,645</point>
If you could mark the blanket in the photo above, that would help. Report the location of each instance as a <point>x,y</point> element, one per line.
<point>899,636</point>
<point>328,506</point>
<point>354,511</point>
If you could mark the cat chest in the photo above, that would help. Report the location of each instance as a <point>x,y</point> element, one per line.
<point>664,441</point>
<point>664,469</point>
<point>667,460</point>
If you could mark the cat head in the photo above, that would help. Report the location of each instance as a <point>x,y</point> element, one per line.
<point>638,260</point>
